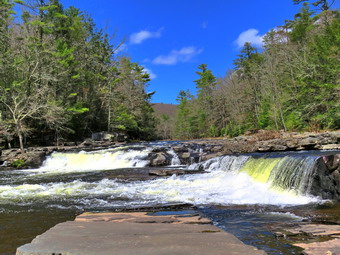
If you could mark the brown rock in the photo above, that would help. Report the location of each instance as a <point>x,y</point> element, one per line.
<point>330,147</point>
<point>159,160</point>
<point>320,248</point>
<point>186,155</point>
<point>137,233</point>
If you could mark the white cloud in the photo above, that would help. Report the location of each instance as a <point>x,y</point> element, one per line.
<point>150,72</point>
<point>177,56</point>
<point>204,25</point>
<point>143,35</point>
<point>252,36</point>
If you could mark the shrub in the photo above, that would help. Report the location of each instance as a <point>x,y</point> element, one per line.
<point>18,163</point>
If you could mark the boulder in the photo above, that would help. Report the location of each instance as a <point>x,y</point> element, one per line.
<point>332,161</point>
<point>325,184</point>
<point>159,159</point>
<point>180,148</point>
<point>330,147</point>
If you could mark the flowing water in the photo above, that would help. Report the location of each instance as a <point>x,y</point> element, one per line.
<point>31,201</point>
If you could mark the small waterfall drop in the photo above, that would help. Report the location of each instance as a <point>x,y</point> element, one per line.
<point>284,173</point>
<point>121,157</point>
<point>294,173</point>
<point>231,179</point>
<point>175,161</point>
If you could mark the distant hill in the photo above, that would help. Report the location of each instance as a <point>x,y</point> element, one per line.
<point>168,109</point>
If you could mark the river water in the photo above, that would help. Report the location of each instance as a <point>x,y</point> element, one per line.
<point>241,194</point>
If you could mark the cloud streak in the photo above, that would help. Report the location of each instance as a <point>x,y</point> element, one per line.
<point>177,56</point>
<point>252,36</point>
<point>138,38</point>
<point>151,73</point>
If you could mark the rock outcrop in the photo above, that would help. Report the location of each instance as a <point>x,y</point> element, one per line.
<point>137,233</point>
<point>305,233</point>
<point>266,141</point>
<point>326,180</point>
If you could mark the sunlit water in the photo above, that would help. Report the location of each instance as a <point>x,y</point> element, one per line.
<point>69,183</point>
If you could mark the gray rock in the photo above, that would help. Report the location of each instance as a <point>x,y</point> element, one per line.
<point>324,184</point>
<point>159,159</point>
<point>186,155</point>
<point>180,148</point>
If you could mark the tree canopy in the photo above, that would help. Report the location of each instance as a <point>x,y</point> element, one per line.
<point>291,83</point>
<point>61,78</point>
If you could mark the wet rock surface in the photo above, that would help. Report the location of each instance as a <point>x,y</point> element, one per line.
<point>137,233</point>
<point>326,180</point>
<point>315,239</point>
<point>318,232</point>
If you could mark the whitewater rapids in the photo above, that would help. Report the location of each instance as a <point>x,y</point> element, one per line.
<point>227,182</point>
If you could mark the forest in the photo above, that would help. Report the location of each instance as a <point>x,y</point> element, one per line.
<point>62,79</point>
<point>291,84</point>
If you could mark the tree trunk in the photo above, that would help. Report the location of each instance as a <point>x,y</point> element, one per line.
<point>20,136</point>
<point>21,141</point>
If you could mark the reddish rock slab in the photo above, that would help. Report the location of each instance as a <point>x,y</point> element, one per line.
<point>331,247</point>
<point>132,234</point>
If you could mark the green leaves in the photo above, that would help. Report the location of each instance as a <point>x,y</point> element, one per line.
<point>78,110</point>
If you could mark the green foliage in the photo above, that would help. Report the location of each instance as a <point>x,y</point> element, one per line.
<point>302,24</point>
<point>324,5</point>
<point>192,116</point>
<point>291,84</point>
<point>59,76</point>
<point>19,163</point>
<point>213,131</point>
<point>78,110</point>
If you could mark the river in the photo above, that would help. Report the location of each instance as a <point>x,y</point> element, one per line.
<point>241,194</point>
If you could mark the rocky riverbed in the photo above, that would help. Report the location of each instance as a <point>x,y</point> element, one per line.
<point>149,164</point>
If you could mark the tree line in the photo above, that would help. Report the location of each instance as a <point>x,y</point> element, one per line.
<point>62,78</point>
<point>290,84</point>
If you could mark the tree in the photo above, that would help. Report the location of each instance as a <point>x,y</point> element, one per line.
<point>205,86</point>
<point>324,5</point>
<point>59,75</point>
<point>185,121</point>
<point>247,65</point>
<point>302,24</point>
<point>131,110</point>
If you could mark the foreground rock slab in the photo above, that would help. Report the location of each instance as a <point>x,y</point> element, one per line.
<point>329,246</point>
<point>136,234</point>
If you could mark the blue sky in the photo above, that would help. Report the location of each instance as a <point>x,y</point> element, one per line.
<point>172,38</point>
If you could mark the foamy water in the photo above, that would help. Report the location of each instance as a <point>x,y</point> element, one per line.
<point>95,161</point>
<point>229,180</point>
<point>215,188</point>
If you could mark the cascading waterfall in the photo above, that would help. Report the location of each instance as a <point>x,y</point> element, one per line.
<point>294,173</point>
<point>85,181</point>
<point>121,157</point>
<point>78,179</point>
<point>290,173</point>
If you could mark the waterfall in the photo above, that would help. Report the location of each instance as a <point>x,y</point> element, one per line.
<point>175,161</point>
<point>77,179</point>
<point>225,163</point>
<point>121,157</point>
<point>287,172</point>
<point>292,173</point>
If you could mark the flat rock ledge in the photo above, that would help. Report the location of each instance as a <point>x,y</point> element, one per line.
<point>137,233</point>
<point>327,236</point>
